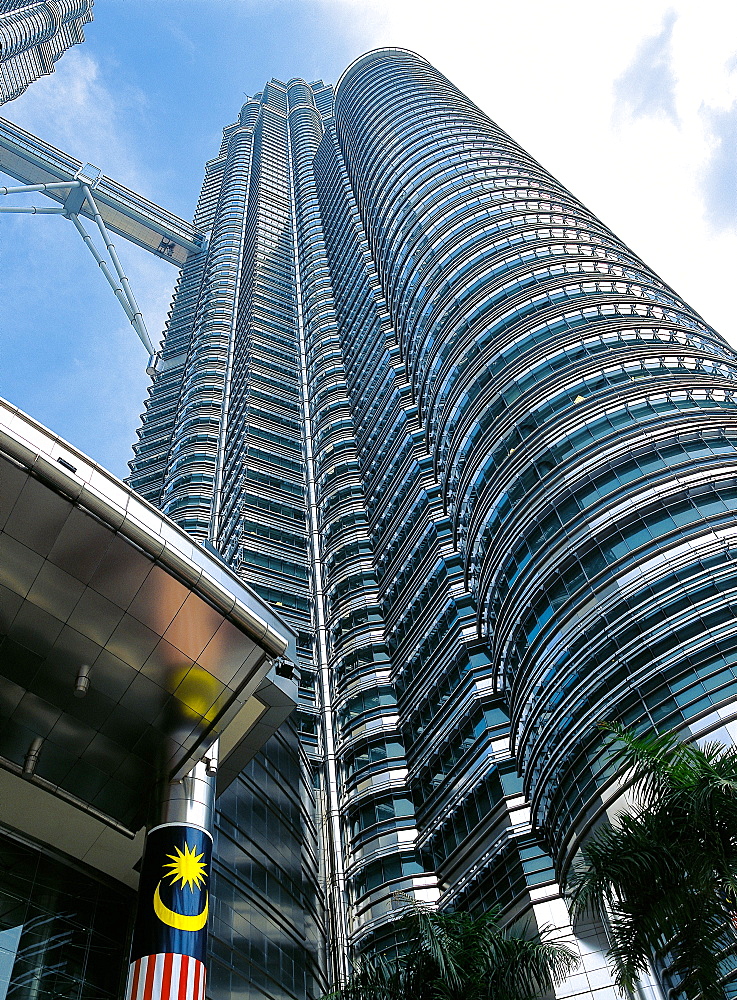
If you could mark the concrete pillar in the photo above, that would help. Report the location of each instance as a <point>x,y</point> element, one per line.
<point>169,950</point>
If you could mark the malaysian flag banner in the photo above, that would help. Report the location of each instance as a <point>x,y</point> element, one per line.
<point>170,934</point>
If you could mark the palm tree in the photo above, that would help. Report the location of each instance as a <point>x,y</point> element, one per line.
<point>664,876</point>
<point>456,956</point>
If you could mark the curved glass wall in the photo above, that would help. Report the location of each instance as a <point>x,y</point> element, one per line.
<point>579,418</point>
<point>265,936</point>
<point>471,816</point>
<point>479,455</point>
<point>379,821</point>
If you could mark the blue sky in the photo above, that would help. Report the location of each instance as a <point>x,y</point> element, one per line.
<point>635,112</point>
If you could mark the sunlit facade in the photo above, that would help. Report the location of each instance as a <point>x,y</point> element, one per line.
<point>478,455</point>
<point>33,35</point>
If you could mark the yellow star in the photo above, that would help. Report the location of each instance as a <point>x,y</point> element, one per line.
<point>187,868</point>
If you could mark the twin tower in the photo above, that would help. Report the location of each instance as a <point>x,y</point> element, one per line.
<point>484,461</point>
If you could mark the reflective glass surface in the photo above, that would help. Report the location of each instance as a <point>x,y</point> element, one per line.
<point>63,933</point>
<point>481,457</point>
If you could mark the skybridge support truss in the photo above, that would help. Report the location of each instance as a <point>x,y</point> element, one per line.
<point>80,194</point>
<point>81,191</point>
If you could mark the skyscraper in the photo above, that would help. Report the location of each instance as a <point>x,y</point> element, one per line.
<point>480,457</point>
<point>33,35</point>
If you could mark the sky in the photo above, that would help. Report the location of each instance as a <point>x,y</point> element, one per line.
<point>632,106</point>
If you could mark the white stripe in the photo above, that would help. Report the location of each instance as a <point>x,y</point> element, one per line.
<point>175,980</point>
<point>190,981</point>
<point>131,972</point>
<point>158,976</point>
<point>140,992</point>
<point>174,976</point>
<point>157,983</point>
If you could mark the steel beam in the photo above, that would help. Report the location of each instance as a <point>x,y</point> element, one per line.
<point>34,162</point>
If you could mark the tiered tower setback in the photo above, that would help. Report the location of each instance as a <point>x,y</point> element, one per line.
<point>34,34</point>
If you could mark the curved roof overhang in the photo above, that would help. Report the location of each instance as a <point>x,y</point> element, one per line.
<point>179,652</point>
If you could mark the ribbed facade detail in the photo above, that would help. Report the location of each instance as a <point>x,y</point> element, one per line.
<point>577,415</point>
<point>33,35</point>
<point>473,824</point>
<point>479,455</point>
<point>221,451</point>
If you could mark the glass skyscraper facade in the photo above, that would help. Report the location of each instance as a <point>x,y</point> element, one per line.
<point>33,35</point>
<point>483,460</point>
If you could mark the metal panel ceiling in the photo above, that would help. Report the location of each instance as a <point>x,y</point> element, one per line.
<point>92,575</point>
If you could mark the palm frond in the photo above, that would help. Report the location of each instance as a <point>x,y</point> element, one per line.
<point>659,762</point>
<point>430,940</point>
<point>664,876</point>
<point>620,859</point>
<point>521,968</point>
<point>374,979</point>
<point>456,955</point>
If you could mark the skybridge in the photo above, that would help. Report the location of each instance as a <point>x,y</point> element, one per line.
<point>34,162</point>
<point>81,191</point>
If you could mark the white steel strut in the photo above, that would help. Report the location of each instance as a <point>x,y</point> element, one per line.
<point>80,192</point>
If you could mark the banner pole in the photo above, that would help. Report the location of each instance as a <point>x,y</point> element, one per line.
<point>169,949</point>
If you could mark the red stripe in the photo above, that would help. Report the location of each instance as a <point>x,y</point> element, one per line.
<point>183,976</point>
<point>148,986</point>
<point>196,990</point>
<point>133,974</point>
<point>204,980</point>
<point>166,976</point>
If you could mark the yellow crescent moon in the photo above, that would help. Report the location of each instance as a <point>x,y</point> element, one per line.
<point>179,921</point>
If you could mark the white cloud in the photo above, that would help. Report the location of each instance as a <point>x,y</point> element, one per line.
<point>720,175</point>
<point>647,87</point>
<point>76,111</point>
<point>562,79</point>
<point>633,106</point>
<point>69,356</point>
<point>88,366</point>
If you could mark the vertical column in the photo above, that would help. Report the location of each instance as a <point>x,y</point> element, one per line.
<point>169,949</point>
